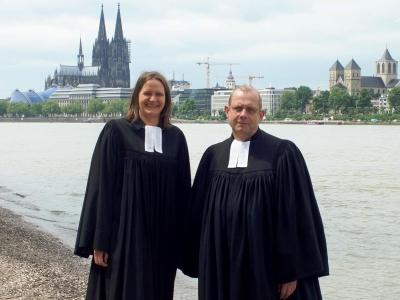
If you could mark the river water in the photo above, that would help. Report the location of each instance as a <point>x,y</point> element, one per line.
<point>355,171</point>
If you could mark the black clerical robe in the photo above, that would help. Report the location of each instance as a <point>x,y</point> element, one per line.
<point>255,227</point>
<point>133,209</point>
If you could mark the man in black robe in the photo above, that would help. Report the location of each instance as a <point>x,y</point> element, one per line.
<point>254,230</point>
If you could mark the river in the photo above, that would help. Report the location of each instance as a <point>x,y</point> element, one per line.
<point>355,172</point>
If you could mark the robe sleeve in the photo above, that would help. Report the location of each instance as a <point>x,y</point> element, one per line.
<point>95,226</point>
<point>184,185</point>
<point>194,218</point>
<point>300,240</point>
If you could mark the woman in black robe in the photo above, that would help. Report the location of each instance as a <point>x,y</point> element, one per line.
<point>135,200</point>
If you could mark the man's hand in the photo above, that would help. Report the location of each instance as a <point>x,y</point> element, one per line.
<point>286,289</point>
<point>100,258</point>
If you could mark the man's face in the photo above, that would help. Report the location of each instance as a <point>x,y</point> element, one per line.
<point>244,114</point>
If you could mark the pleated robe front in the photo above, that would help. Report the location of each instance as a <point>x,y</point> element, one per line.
<point>134,209</point>
<point>253,228</point>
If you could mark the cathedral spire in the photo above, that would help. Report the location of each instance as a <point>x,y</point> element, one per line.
<point>80,56</point>
<point>118,35</point>
<point>102,36</point>
<point>80,46</point>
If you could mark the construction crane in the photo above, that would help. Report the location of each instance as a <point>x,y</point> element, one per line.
<point>208,64</point>
<point>251,77</point>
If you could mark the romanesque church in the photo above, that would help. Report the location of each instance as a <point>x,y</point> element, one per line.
<point>349,77</point>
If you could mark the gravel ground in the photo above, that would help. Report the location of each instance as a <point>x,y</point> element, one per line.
<point>36,265</point>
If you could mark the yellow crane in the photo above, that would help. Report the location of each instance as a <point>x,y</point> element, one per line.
<point>251,77</point>
<point>207,63</point>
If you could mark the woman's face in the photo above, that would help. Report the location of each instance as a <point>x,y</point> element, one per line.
<point>151,101</point>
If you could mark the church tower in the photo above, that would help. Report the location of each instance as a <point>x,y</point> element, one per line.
<point>80,56</point>
<point>336,74</point>
<point>100,52</point>
<point>230,82</point>
<point>352,77</point>
<point>386,68</point>
<point>119,57</point>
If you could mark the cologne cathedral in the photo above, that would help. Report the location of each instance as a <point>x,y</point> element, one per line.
<point>110,62</point>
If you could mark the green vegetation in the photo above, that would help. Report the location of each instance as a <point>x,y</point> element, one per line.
<point>394,99</point>
<point>296,105</point>
<point>321,103</point>
<point>289,102</point>
<point>50,109</point>
<point>336,104</point>
<point>18,110</point>
<point>3,107</point>
<point>188,111</point>
<point>303,97</point>
<point>115,108</point>
<point>96,108</point>
<point>73,109</point>
<point>36,109</point>
<point>297,101</point>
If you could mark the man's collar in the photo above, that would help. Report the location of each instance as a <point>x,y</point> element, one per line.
<point>252,138</point>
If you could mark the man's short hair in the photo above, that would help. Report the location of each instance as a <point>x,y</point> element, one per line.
<point>245,89</point>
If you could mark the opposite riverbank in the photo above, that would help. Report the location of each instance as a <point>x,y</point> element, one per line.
<point>103,120</point>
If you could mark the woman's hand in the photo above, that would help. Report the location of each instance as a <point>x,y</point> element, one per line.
<point>286,289</point>
<point>100,258</point>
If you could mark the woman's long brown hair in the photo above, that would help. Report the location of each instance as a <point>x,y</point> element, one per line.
<point>165,115</point>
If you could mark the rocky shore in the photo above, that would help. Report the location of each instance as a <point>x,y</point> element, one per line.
<point>36,265</point>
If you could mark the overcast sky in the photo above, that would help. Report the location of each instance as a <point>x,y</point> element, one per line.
<point>289,42</point>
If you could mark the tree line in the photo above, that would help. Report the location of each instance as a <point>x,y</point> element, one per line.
<point>96,107</point>
<point>299,104</point>
<point>336,102</point>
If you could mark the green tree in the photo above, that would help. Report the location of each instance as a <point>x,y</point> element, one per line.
<point>18,109</point>
<point>50,108</point>
<point>95,106</point>
<point>321,103</point>
<point>303,96</point>
<point>174,110</point>
<point>3,107</point>
<point>73,109</point>
<point>339,99</point>
<point>350,105</point>
<point>289,101</point>
<point>188,110</point>
<point>394,98</point>
<point>116,107</point>
<point>221,115</point>
<point>363,101</point>
<point>36,109</point>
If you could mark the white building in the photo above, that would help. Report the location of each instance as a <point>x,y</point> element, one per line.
<point>270,100</point>
<point>381,104</point>
<point>83,93</point>
<point>218,102</point>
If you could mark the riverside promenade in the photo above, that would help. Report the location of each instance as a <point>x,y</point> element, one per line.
<point>36,265</point>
